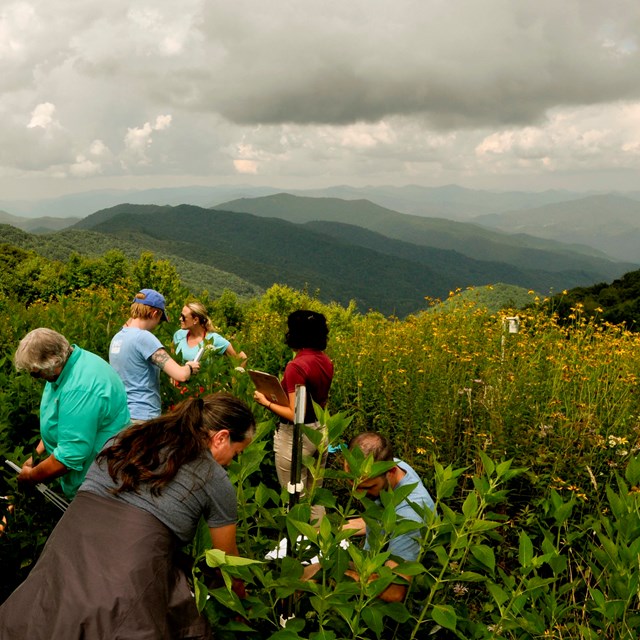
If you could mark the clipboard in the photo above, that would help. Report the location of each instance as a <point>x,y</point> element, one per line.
<point>270,386</point>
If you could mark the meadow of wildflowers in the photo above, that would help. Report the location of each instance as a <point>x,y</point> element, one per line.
<point>528,440</point>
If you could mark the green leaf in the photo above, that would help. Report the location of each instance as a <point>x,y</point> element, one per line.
<point>397,611</point>
<point>487,463</point>
<point>445,616</point>
<point>216,558</point>
<point>498,593</point>
<point>409,569</point>
<point>502,468</point>
<point>470,576</point>
<point>632,472</point>
<point>202,539</point>
<point>484,525</point>
<point>322,635</point>
<point>525,551</point>
<point>305,529</point>
<point>372,617</point>
<point>470,506</point>
<point>201,592</point>
<point>484,554</point>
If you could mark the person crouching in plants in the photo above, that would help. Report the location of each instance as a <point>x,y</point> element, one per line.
<point>371,450</point>
<point>111,567</point>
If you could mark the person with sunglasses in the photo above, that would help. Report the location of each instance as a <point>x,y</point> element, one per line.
<point>197,331</point>
<point>84,403</point>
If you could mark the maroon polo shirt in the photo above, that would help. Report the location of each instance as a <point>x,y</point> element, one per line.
<point>314,370</point>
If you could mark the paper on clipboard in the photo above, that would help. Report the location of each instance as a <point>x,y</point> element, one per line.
<point>270,386</point>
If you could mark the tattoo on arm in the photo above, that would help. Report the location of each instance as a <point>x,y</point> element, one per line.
<point>160,358</point>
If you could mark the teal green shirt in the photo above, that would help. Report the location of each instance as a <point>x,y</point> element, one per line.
<point>79,412</point>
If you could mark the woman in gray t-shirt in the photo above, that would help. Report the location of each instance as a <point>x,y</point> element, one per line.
<point>108,569</point>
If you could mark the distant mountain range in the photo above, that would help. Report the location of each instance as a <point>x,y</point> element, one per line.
<point>37,225</point>
<point>352,248</point>
<point>383,259</point>
<point>451,201</point>
<point>609,223</point>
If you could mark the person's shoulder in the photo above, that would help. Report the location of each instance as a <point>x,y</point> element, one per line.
<point>411,473</point>
<point>210,472</point>
<point>179,335</point>
<point>88,356</point>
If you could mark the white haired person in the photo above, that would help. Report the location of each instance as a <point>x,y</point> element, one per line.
<point>111,568</point>
<point>138,356</point>
<point>197,331</point>
<point>83,404</point>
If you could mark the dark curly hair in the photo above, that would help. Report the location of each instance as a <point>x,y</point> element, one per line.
<point>307,330</point>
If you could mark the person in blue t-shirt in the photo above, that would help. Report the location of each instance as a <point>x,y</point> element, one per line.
<point>404,547</point>
<point>138,356</point>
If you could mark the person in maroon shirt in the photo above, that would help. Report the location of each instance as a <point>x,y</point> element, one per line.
<point>311,367</point>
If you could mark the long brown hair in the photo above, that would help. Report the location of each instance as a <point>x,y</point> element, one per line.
<point>152,452</point>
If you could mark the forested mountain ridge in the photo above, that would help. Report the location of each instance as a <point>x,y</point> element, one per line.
<point>342,261</point>
<point>616,302</point>
<point>63,244</point>
<point>472,240</point>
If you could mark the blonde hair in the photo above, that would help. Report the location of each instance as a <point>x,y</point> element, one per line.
<point>199,311</point>
<point>143,311</point>
<point>43,350</point>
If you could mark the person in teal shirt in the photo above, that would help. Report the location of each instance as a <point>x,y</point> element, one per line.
<point>84,403</point>
<point>196,331</point>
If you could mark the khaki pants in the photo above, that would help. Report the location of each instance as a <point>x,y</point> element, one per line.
<point>283,445</point>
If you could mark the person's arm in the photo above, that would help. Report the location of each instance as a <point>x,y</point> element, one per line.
<point>45,471</point>
<point>232,353</point>
<point>166,363</point>
<point>39,451</point>
<point>287,413</point>
<point>394,592</point>
<point>358,524</point>
<point>224,538</point>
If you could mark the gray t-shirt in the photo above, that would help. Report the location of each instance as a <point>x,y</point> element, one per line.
<point>200,488</point>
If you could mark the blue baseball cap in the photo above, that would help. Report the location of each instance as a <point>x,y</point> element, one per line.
<point>152,298</point>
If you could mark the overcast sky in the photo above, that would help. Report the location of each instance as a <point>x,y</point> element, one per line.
<point>497,94</point>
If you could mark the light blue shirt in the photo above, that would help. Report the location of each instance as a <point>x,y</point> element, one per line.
<point>79,412</point>
<point>186,352</point>
<point>129,354</point>
<point>407,545</point>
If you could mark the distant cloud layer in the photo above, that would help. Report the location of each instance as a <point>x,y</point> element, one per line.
<point>497,93</point>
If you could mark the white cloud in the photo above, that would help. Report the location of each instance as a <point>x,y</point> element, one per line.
<point>138,140</point>
<point>162,122</point>
<point>246,166</point>
<point>84,167</point>
<point>42,116</point>
<point>98,148</point>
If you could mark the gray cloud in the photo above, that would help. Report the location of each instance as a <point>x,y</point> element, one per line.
<point>360,91</point>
